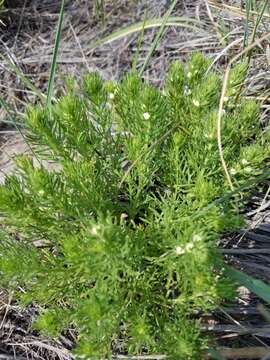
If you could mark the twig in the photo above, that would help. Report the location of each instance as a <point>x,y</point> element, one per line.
<point>242,353</point>
<point>234,9</point>
<point>263,206</point>
<point>245,251</point>
<point>236,329</point>
<point>6,311</point>
<point>221,103</point>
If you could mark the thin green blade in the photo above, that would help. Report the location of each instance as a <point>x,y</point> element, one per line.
<point>55,54</point>
<point>148,24</point>
<point>258,287</point>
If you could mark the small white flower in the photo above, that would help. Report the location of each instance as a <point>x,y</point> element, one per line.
<point>196,237</point>
<point>196,103</point>
<point>189,74</point>
<point>189,246</point>
<point>41,192</point>
<point>248,169</point>
<point>123,217</point>
<point>179,250</point>
<point>226,99</point>
<point>146,116</point>
<point>111,96</point>
<point>233,171</point>
<point>94,230</point>
<point>244,161</point>
<point>209,136</point>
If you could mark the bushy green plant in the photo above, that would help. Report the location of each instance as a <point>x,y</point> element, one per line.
<point>120,255</point>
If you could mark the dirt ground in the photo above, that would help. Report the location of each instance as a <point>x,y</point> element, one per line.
<point>26,40</point>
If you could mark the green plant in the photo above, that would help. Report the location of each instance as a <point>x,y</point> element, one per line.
<point>99,9</point>
<point>105,241</point>
<point>2,5</point>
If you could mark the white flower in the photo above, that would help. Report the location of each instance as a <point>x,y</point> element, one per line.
<point>226,99</point>
<point>94,230</point>
<point>244,162</point>
<point>233,171</point>
<point>146,116</point>
<point>189,246</point>
<point>111,96</point>
<point>196,237</point>
<point>179,250</point>
<point>196,103</point>
<point>189,74</point>
<point>248,169</point>
<point>208,136</point>
<point>41,192</point>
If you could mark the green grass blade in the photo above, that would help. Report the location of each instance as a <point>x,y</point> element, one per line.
<point>100,10</point>
<point>248,11</point>
<point>55,54</point>
<point>158,36</point>
<point>138,47</point>
<point>258,287</point>
<point>216,355</point>
<point>9,111</point>
<point>176,21</point>
<point>23,78</point>
<point>258,20</point>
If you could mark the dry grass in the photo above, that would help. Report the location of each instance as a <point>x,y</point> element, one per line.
<point>27,41</point>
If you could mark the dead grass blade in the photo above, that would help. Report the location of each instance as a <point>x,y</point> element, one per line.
<point>221,103</point>
<point>245,353</point>
<point>177,21</point>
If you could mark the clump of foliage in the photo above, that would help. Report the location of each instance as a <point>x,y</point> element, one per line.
<point>113,240</point>
<point>1,5</point>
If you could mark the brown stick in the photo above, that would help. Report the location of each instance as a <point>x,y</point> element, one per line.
<point>245,251</point>
<point>243,353</point>
<point>221,102</point>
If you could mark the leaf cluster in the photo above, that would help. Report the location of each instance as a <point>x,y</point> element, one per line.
<point>105,240</point>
